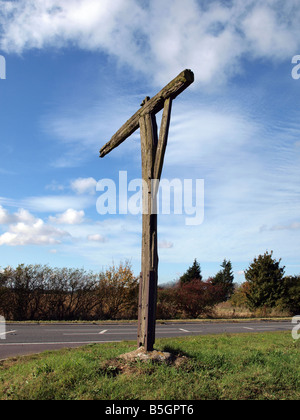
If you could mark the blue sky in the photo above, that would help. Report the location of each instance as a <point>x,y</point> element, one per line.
<point>77,70</point>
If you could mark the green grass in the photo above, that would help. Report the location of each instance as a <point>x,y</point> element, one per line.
<point>225,367</point>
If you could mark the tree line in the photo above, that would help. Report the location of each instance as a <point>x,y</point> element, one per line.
<point>266,288</point>
<point>40,293</point>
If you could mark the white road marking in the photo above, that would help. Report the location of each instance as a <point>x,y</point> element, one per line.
<point>181,329</point>
<point>75,334</point>
<point>248,328</point>
<point>57,343</point>
<point>87,333</point>
<point>272,327</point>
<point>8,332</point>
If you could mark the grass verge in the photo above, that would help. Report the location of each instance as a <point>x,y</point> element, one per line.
<point>224,367</point>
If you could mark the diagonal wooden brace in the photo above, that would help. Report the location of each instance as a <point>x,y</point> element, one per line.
<point>153,106</point>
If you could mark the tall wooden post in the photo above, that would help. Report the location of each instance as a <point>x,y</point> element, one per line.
<point>146,331</point>
<point>153,149</point>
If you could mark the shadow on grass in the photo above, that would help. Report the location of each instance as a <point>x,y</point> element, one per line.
<point>177,352</point>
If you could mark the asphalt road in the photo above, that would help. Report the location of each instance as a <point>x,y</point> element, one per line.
<point>22,339</point>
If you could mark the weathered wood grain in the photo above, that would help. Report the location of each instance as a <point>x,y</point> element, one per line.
<point>163,139</point>
<point>146,333</point>
<point>153,149</point>
<point>154,105</point>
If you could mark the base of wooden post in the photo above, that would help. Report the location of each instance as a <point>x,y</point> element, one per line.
<point>147,314</point>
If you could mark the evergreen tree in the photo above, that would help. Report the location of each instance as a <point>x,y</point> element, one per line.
<point>265,279</point>
<point>291,298</point>
<point>225,278</point>
<point>193,273</point>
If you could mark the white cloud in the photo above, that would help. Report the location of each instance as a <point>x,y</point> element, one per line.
<point>291,226</point>
<point>57,203</point>
<point>96,238</point>
<point>84,186</point>
<point>91,24</point>
<point>55,186</point>
<point>165,245</point>
<point>280,37</point>
<point>69,217</point>
<point>21,216</point>
<point>208,132</point>
<point>4,216</point>
<point>210,37</point>
<point>25,229</point>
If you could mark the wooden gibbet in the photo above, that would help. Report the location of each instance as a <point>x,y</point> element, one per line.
<point>153,147</point>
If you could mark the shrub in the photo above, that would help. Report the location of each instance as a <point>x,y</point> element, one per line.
<point>117,292</point>
<point>198,297</point>
<point>193,273</point>
<point>167,303</point>
<point>225,278</point>
<point>291,298</point>
<point>265,279</point>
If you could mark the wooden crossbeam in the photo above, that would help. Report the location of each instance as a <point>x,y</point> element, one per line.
<point>153,106</point>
